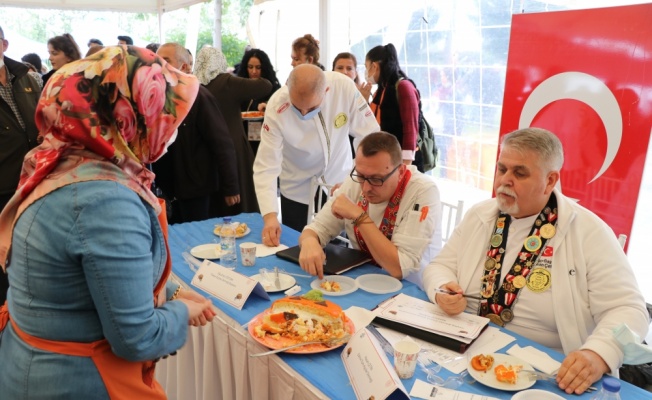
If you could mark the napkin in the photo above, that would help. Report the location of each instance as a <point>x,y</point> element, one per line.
<point>264,251</point>
<point>424,390</point>
<point>537,358</point>
<point>635,352</point>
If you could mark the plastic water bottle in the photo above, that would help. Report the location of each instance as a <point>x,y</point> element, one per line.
<point>228,258</point>
<point>610,390</point>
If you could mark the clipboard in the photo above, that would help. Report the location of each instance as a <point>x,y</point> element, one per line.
<point>339,259</point>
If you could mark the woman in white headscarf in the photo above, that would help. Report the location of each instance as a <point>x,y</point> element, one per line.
<point>230,91</point>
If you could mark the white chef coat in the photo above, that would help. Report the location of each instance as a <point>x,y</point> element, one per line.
<point>298,150</point>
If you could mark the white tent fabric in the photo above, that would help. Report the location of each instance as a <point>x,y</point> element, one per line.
<point>147,6</point>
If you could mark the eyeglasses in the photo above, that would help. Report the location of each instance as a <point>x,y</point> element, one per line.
<point>372,181</point>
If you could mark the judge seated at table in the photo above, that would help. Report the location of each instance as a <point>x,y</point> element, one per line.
<point>388,209</point>
<point>546,267</point>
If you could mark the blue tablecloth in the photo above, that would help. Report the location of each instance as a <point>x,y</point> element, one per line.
<point>325,370</point>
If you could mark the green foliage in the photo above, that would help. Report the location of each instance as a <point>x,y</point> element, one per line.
<point>233,48</point>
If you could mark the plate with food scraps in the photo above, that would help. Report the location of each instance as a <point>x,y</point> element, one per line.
<point>286,281</point>
<point>248,115</point>
<point>210,251</point>
<point>279,342</point>
<point>511,380</point>
<point>335,285</point>
<point>241,229</point>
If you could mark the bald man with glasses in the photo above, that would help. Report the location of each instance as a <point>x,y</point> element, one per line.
<point>388,209</point>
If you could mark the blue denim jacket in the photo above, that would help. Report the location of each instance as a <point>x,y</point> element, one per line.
<point>84,262</point>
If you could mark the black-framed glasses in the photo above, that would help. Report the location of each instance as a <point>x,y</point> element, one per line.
<point>372,181</point>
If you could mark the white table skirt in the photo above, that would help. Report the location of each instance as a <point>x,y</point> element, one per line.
<point>215,364</point>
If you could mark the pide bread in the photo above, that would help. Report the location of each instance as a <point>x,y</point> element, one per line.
<point>302,320</point>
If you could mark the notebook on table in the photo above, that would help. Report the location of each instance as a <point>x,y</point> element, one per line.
<point>339,259</point>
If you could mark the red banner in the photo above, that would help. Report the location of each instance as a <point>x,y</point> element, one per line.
<point>585,75</point>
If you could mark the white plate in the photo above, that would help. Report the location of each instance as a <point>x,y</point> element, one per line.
<point>537,394</point>
<point>287,281</point>
<point>347,285</point>
<point>378,283</point>
<point>488,378</point>
<point>216,230</point>
<point>210,251</point>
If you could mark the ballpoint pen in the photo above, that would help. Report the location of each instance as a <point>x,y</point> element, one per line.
<point>444,291</point>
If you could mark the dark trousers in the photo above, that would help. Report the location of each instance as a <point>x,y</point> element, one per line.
<point>196,209</point>
<point>294,214</point>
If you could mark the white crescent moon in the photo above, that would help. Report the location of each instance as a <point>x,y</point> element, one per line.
<point>587,89</point>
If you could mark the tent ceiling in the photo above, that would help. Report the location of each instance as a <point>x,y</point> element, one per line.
<point>147,6</point>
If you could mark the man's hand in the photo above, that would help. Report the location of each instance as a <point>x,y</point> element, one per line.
<point>312,257</point>
<point>579,370</point>
<point>452,304</point>
<point>271,235</point>
<point>343,208</point>
<point>231,200</point>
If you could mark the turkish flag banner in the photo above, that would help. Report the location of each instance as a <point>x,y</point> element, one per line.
<point>585,75</point>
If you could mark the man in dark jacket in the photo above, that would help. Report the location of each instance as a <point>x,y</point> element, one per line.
<point>19,94</point>
<point>202,159</point>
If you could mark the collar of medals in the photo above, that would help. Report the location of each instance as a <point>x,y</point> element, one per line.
<point>497,300</point>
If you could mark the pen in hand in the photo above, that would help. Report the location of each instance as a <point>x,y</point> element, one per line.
<point>444,291</point>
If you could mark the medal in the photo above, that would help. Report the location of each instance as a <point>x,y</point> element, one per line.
<point>532,243</point>
<point>497,265</point>
<point>496,240</point>
<point>517,268</point>
<point>539,280</point>
<point>537,222</point>
<point>548,231</point>
<point>507,315</point>
<point>495,319</point>
<point>489,264</point>
<point>519,281</point>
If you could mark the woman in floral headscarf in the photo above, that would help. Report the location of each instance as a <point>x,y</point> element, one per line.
<point>230,91</point>
<point>81,241</point>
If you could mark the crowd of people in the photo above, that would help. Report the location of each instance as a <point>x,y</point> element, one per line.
<point>98,156</point>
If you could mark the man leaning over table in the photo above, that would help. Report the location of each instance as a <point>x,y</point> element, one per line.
<point>547,268</point>
<point>388,209</point>
<point>305,134</point>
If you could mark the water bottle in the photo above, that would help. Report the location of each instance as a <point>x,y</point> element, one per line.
<point>228,258</point>
<point>610,390</point>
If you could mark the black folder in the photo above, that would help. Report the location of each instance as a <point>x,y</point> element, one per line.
<point>338,258</point>
<point>430,337</point>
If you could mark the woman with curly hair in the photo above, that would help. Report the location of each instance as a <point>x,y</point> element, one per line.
<point>256,64</point>
<point>305,50</point>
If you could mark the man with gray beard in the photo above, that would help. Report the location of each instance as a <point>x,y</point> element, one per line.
<point>544,266</point>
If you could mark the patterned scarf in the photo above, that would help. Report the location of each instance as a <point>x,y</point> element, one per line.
<point>102,118</point>
<point>210,63</point>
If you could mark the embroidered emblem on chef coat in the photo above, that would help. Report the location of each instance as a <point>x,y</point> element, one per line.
<point>341,120</point>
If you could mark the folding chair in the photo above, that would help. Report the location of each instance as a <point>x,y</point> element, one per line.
<point>316,205</point>
<point>451,215</point>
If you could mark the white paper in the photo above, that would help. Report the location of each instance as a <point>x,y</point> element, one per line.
<point>428,316</point>
<point>369,370</point>
<point>227,285</point>
<point>491,340</point>
<point>423,390</point>
<point>361,317</point>
<point>537,358</point>
<point>264,251</point>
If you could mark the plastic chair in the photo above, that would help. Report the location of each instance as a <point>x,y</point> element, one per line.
<point>622,239</point>
<point>451,215</point>
<point>315,206</point>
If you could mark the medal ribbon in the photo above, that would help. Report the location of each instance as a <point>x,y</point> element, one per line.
<point>389,218</point>
<point>501,298</point>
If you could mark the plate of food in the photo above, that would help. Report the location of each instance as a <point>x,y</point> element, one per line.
<point>297,319</point>
<point>241,229</point>
<point>286,281</point>
<point>210,251</point>
<point>335,285</point>
<point>500,371</point>
<point>247,115</point>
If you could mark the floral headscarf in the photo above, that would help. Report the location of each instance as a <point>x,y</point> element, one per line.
<point>210,63</point>
<point>102,118</point>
